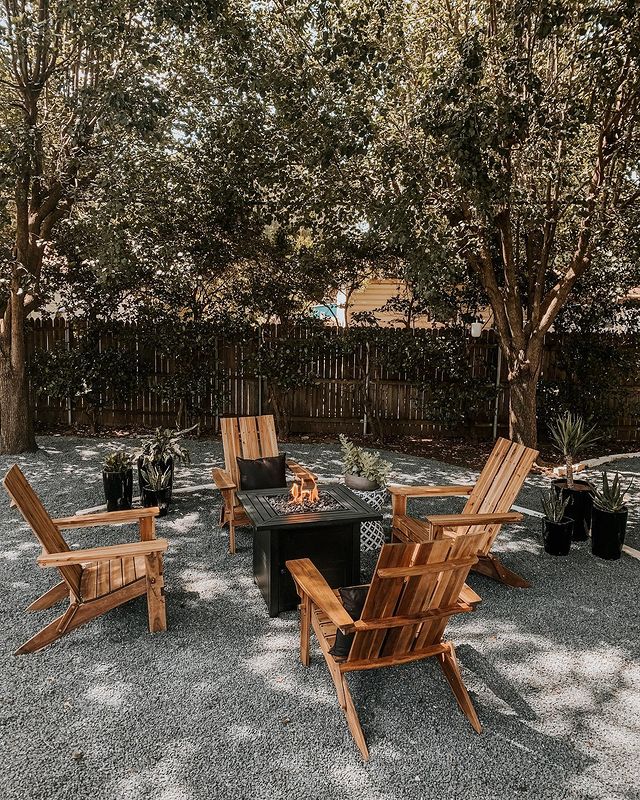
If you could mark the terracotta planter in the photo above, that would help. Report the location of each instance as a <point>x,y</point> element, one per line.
<point>580,505</point>
<point>360,483</point>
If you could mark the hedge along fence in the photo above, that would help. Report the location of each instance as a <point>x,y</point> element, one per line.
<point>320,380</point>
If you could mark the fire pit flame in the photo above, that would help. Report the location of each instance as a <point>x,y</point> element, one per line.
<point>300,495</point>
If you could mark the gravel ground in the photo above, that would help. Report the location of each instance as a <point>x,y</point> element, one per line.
<point>219,706</point>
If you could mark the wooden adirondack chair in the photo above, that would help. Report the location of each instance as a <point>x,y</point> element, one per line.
<point>415,589</point>
<point>94,580</point>
<point>486,510</point>
<point>247,437</point>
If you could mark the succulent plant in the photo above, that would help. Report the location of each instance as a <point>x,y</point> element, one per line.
<point>154,478</point>
<point>367,463</point>
<point>611,496</point>
<point>553,505</point>
<point>571,436</point>
<point>117,461</point>
<point>164,443</point>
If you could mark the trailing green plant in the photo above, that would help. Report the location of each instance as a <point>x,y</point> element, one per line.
<point>117,461</point>
<point>366,463</point>
<point>164,443</point>
<point>571,436</point>
<point>553,505</point>
<point>611,496</point>
<point>286,364</point>
<point>610,360</point>
<point>155,478</point>
<point>90,373</point>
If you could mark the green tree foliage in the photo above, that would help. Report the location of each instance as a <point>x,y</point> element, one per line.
<point>88,372</point>
<point>237,163</point>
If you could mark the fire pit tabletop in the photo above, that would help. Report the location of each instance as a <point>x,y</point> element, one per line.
<point>263,515</point>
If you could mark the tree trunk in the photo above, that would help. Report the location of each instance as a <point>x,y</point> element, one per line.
<point>522,409</point>
<point>283,421</point>
<point>16,414</point>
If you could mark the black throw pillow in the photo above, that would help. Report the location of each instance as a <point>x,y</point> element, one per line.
<point>353,598</point>
<point>263,473</point>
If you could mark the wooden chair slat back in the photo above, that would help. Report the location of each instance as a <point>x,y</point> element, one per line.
<point>448,589</point>
<point>499,484</point>
<point>36,516</point>
<point>390,597</point>
<point>247,437</point>
<point>381,601</point>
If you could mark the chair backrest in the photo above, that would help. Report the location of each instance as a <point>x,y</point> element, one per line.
<point>35,514</point>
<point>247,437</point>
<point>419,581</point>
<point>499,484</point>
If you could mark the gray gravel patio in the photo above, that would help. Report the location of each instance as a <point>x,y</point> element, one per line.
<point>220,707</point>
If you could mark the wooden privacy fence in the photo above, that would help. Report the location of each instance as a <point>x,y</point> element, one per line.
<point>353,390</point>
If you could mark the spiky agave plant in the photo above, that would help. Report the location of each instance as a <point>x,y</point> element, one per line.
<point>611,496</point>
<point>553,505</point>
<point>571,436</point>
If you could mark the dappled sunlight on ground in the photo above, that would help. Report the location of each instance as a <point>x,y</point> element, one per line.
<point>219,706</point>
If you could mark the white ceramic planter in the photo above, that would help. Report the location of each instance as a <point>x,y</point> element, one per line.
<point>359,483</point>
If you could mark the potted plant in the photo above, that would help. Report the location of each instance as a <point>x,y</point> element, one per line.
<point>558,527</point>
<point>364,470</point>
<point>117,479</point>
<point>571,437</point>
<point>156,487</point>
<point>609,518</point>
<point>162,450</point>
<point>366,473</point>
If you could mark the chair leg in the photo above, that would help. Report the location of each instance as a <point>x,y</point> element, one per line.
<point>491,567</point>
<point>449,665</point>
<point>232,537</point>
<point>342,690</point>
<point>305,625</point>
<point>57,593</point>
<point>156,606</point>
<point>79,614</point>
<point>49,634</point>
<point>353,721</point>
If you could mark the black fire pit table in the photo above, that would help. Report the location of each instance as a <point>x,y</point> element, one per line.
<point>327,532</point>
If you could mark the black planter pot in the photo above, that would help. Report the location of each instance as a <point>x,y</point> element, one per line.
<point>579,508</point>
<point>162,466</point>
<point>118,489</point>
<point>160,498</point>
<point>608,529</point>
<point>557,536</point>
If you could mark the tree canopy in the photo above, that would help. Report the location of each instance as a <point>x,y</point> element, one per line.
<point>239,162</point>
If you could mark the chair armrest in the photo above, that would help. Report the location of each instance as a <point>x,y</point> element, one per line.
<point>105,518</point>
<point>222,479</point>
<point>103,553</point>
<point>300,471</point>
<point>311,583</point>
<point>429,491</point>
<point>467,595</point>
<point>464,520</point>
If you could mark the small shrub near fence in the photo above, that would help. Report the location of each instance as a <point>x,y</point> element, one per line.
<point>317,380</point>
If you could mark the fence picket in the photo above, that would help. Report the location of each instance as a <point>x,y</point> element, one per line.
<point>336,402</point>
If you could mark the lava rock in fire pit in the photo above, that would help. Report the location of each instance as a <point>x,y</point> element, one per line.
<point>284,504</point>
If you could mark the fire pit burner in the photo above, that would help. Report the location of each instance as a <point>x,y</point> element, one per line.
<point>283,504</point>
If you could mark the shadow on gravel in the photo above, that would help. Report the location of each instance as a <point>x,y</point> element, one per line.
<point>220,707</point>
